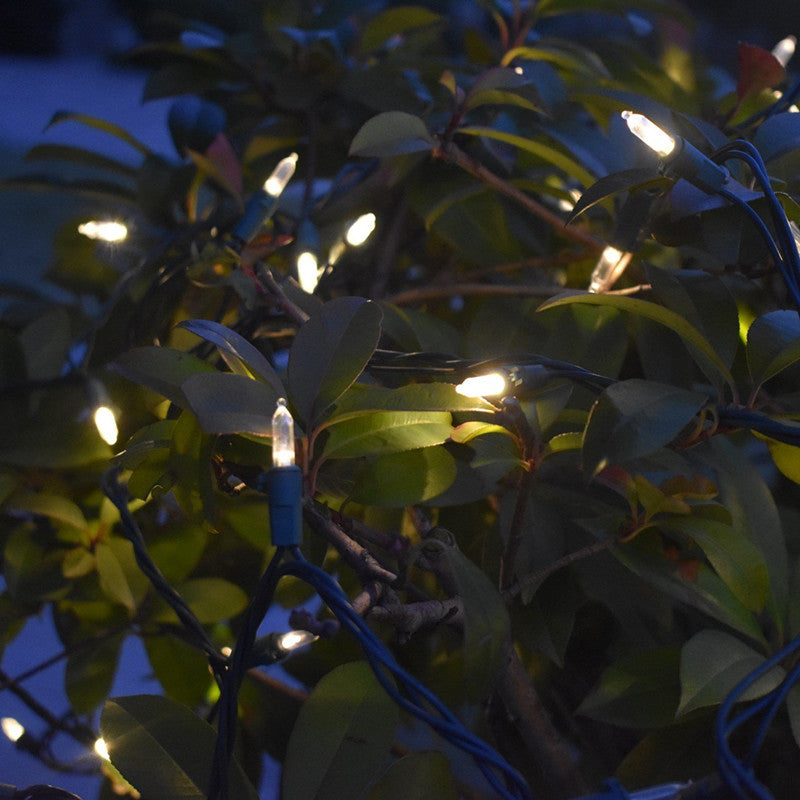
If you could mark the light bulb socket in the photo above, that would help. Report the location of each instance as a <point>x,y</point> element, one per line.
<point>526,378</point>
<point>687,162</point>
<point>257,212</point>
<point>285,489</point>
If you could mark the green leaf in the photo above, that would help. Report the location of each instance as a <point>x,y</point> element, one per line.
<point>700,348</point>
<point>330,351</point>
<point>54,506</point>
<point>548,154</point>
<point>392,133</point>
<point>241,356</point>
<point>113,579</point>
<point>704,301</point>
<point>164,750</point>
<point>502,86</point>
<point>712,663</point>
<point>634,418</point>
<point>641,690</point>
<point>734,557</point>
<point>79,155</point>
<point>486,624</point>
<point>394,21</point>
<point>227,403</point>
<point>211,599</point>
<point>421,776</point>
<point>90,673</point>
<point>384,432</point>
<point>778,135</point>
<point>100,124</point>
<point>161,369</point>
<point>403,479</point>
<point>181,670</point>
<point>348,724</point>
<point>190,462</point>
<point>361,400</point>
<point>786,458</point>
<point>32,571</point>
<point>467,431</point>
<point>773,344</point>
<point>46,341</point>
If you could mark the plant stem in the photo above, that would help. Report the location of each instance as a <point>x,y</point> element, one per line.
<point>453,153</point>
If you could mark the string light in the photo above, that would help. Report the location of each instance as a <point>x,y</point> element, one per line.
<point>13,730</point>
<point>360,230</point>
<point>679,158</point>
<point>281,175</point>
<point>307,271</point>
<point>784,50</point>
<point>292,640</point>
<point>648,132</point>
<point>493,384</point>
<point>110,232</point>
<point>101,748</point>
<point>106,424</point>
<point>610,266</point>
<point>263,204</point>
<point>282,436</point>
<point>284,482</point>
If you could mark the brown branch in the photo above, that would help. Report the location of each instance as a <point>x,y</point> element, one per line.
<point>358,558</point>
<point>407,619</point>
<point>267,281</point>
<point>541,575</point>
<point>551,759</point>
<point>451,152</point>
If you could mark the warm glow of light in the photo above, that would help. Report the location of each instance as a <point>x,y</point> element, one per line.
<point>294,639</point>
<point>281,175</point>
<point>307,271</point>
<point>12,729</point>
<point>609,267</point>
<point>492,384</point>
<point>360,230</point>
<point>519,70</point>
<point>226,651</point>
<point>106,424</point>
<point>282,436</point>
<point>101,748</point>
<point>110,232</point>
<point>646,130</point>
<point>784,50</point>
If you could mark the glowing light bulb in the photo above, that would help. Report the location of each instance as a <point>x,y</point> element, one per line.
<point>307,271</point>
<point>282,436</point>
<point>12,729</point>
<point>492,384</point>
<point>609,267</point>
<point>110,232</point>
<point>784,50</point>
<point>287,642</point>
<point>101,748</point>
<point>360,230</point>
<point>646,130</point>
<point>226,651</point>
<point>106,424</point>
<point>281,175</point>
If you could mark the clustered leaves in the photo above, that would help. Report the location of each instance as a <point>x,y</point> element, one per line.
<point>620,533</point>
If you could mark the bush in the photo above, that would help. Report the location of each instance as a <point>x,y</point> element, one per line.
<point>582,564</point>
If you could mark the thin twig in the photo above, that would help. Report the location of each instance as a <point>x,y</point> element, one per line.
<point>453,153</point>
<point>267,280</point>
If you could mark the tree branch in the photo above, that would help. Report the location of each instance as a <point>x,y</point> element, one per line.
<point>453,153</point>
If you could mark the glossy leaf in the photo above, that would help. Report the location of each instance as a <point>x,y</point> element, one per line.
<point>393,22</point>
<point>54,506</point>
<point>161,369</point>
<point>90,673</point>
<point>700,348</point>
<point>403,479</point>
<point>392,133</point>
<point>423,776</point>
<point>110,128</point>
<point>786,458</point>
<point>239,354</point>
<point>182,670</point>
<point>228,403</point>
<point>778,135</point>
<point>329,352</point>
<point>634,418</point>
<point>548,154</point>
<point>211,599</point>
<point>348,723</point>
<point>612,184</point>
<point>384,432</point>
<point>773,344</point>
<point>712,663</point>
<point>164,750</point>
<point>758,70</point>
<point>640,690</point>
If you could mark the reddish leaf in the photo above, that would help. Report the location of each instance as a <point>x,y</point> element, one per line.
<point>758,70</point>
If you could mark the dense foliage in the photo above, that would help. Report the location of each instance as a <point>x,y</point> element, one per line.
<point>582,569</point>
